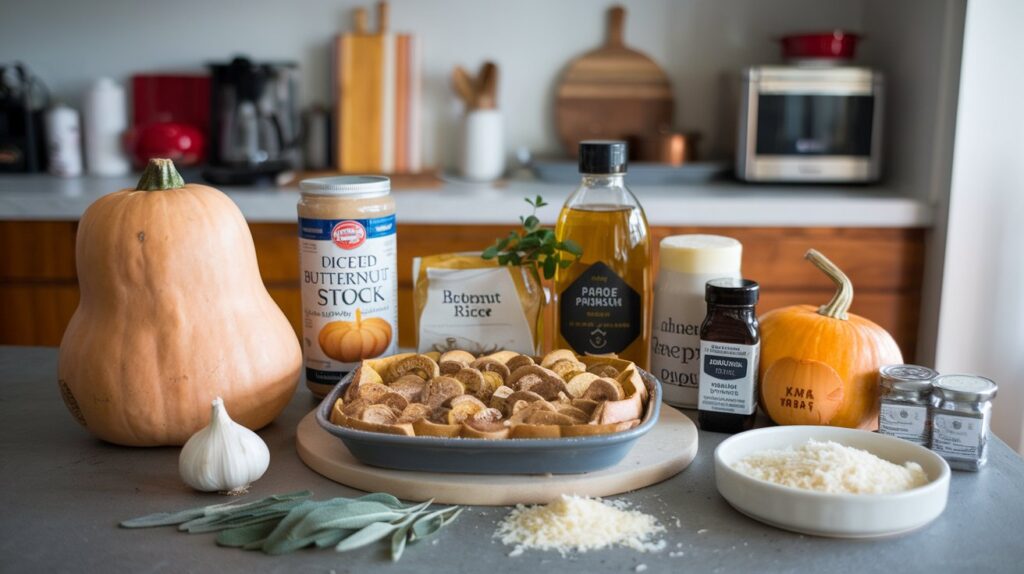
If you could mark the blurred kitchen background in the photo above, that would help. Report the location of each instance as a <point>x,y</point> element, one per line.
<point>927,225</point>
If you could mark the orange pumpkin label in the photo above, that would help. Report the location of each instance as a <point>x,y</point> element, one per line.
<point>349,285</point>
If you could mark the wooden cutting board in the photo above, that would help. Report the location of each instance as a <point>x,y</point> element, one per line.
<point>662,453</point>
<point>612,92</point>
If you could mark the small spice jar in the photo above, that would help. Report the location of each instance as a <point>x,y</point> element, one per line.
<point>906,398</point>
<point>730,350</point>
<point>961,415</point>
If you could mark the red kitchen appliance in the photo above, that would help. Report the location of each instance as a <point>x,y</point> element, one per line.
<point>170,117</point>
<point>834,45</point>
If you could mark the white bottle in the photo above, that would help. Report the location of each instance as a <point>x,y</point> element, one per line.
<point>105,118</point>
<point>687,263</point>
<point>63,141</point>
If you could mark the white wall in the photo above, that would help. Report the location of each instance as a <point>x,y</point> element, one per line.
<point>698,42</point>
<point>981,318</point>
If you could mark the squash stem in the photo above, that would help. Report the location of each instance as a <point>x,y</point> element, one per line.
<point>160,175</point>
<point>839,305</point>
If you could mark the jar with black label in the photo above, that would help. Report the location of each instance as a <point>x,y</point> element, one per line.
<point>730,349</point>
<point>604,299</point>
<point>961,416</point>
<point>906,398</point>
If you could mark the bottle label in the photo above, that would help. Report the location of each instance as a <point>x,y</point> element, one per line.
<point>958,437</point>
<point>599,312</point>
<point>478,310</point>
<point>349,308</point>
<point>679,311</point>
<point>908,422</point>
<point>728,377</point>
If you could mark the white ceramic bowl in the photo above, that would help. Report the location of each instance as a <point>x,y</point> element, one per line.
<point>823,514</point>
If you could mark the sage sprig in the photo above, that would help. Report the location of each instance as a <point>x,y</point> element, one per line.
<point>536,248</point>
<point>284,523</point>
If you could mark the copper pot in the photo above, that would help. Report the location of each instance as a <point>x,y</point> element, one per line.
<point>669,148</point>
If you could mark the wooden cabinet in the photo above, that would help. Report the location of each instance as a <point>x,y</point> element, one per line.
<point>39,290</point>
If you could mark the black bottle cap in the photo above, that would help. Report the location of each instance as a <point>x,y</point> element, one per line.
<point>599,157</point>
<point>731,291</point>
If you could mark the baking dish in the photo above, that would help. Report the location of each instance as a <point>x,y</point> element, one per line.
<point>482,456</point>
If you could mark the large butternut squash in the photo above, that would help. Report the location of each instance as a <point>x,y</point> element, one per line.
<point>173,314</point>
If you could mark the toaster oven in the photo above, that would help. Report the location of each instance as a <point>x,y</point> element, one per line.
<point>810,124</point>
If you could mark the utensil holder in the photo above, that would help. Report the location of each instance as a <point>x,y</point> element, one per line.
<point>482,156</point>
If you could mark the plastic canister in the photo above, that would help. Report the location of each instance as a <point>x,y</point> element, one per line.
<point>687,263</point>
<point>105,116</point>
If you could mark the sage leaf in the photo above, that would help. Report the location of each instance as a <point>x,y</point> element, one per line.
<point>428,525</point>
<point>245,535</point>
<point>401,536</point>
<point>398,540</point>
<point>294,516</point>
<point>171,518</point>
<point>367,535</point>
<point>285,523</point>
<point>331,538</point>
<point>238,518</point>
<point>383,498</point>
<point>353,515</point>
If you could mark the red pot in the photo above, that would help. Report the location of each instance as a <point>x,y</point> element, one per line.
<point>182,143</point>
<point>835,45</point>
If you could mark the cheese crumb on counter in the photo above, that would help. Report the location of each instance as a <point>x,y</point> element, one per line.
<point>575,523</point>
<point>833,468</point>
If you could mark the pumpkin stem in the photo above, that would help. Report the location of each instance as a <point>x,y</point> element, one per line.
<point>160,175</point>
<point>839,305</point>
<point>359,316</point>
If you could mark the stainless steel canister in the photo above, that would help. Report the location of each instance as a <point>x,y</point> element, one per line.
<point>961,416</point>
<point>906,397</point>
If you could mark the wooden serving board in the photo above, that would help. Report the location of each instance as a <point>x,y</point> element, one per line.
<point>613,92</point>
<point>660,454</point>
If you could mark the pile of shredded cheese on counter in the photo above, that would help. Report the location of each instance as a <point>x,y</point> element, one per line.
<point>833,468</point>
<point>574,523</point>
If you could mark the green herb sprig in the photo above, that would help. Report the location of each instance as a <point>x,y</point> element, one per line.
<point>284,523</point>
<point>535,247</point>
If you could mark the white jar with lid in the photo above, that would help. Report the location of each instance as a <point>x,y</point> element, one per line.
<point>687,263</point>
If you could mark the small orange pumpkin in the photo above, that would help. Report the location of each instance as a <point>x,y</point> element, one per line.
<point>820,366</point>
<point>351,341</point>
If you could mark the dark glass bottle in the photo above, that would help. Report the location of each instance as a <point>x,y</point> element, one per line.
<point>730,348</point>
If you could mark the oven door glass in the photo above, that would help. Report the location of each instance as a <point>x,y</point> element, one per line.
<point>814,124</point>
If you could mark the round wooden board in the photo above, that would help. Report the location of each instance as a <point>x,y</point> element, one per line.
<point>660,454</point>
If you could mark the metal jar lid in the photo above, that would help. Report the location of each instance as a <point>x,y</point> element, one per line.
<point>964,388</point>
<point>912,378</point>
<point>347,185</point>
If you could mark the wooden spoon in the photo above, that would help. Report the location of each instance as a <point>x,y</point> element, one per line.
<point>487,87</point>
<point>464,86</point>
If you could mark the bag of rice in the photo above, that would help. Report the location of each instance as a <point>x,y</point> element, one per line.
<point>465,302</point>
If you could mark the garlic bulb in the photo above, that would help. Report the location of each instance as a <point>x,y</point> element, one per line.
<point>224,457</point>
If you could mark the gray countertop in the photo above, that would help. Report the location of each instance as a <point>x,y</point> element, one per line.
<point>63,493</point>
<point>716,203</point>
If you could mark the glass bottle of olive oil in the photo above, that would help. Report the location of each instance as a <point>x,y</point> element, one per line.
<point>603,301</point>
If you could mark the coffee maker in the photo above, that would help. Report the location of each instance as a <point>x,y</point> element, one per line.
<point>254,122</point>
<point>23,100</point>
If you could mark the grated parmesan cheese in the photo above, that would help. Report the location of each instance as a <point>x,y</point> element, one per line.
<point>833,468</point>
<point>574,523</point>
